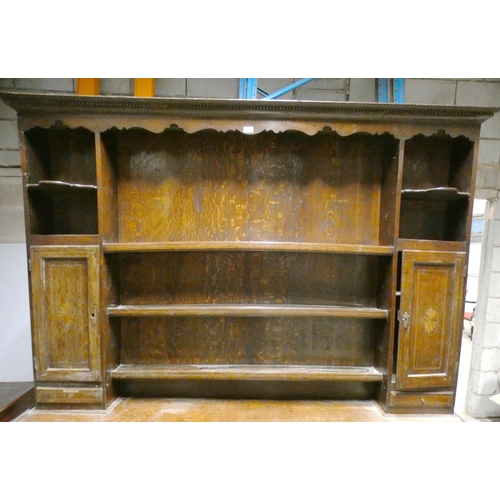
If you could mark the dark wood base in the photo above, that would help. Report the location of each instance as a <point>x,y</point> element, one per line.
<point>15,399</point>
<point>247,389</point>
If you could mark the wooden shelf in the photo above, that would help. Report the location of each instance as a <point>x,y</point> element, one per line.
<point>247,310</point>
<point>434,194</point>
<point>435,245</point>
<point>48,185</point>
<point>64,239</point>
<point>246,372</point>
<point>247,246</point>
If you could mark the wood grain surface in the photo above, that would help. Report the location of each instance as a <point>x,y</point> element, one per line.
<point>264,264</point>
<point>229,186</point>
<point>215,410</point>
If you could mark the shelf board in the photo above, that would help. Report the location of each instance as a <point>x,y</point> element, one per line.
<point>247,310</point>
<point>432,245</point>
<point>246,372</point>
<point>247,246</point>
<point>49,185</point>
<point>434,194</point>
<point>64,239</point>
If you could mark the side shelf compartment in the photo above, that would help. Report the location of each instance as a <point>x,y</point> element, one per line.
<point>436,190</point>
<point>61,180</point>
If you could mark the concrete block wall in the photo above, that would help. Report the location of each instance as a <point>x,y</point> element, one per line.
<point>483,92</point>
<point>484,379</point>
<point>11,204</point>
<point>470,92</point>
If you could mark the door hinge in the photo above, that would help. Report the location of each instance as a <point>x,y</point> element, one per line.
<point>29,265</point>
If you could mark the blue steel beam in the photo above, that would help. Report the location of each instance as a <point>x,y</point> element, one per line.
<point>248,88</point>
<point>288,88</point>
<point>399,90</point>
<point>391,90</point>
<point>383,89</point>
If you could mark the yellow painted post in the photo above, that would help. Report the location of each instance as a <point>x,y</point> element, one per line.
<point>88,86</point>
<point>144,87</point>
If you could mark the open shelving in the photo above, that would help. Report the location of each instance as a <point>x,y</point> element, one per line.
<point>61,181</point>
<point>267,239</point>
<point>229,188</point>
<point>436,192</point>
<point>174,253</point>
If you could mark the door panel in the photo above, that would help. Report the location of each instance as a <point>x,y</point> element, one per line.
<point>430,319</point>
<point>65,320</point>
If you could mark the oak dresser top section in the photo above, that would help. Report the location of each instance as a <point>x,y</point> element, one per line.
<point>100,113</point>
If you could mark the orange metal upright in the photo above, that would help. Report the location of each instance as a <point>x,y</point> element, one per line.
<point>88,86</point>
<point>144,87</point>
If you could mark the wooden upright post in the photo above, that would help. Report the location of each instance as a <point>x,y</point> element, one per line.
<point>88,86</point>
<point>144,87</point>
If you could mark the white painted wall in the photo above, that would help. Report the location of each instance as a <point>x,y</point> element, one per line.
<point>15,332</point>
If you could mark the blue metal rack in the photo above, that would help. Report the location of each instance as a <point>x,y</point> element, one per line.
<point>249,89</point>
<point>391,90</point>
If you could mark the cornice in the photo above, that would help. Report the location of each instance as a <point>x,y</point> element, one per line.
<point>100,113</point>
<point>25,103</point>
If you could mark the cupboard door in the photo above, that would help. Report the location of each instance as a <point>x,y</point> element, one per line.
<point>430,319</point>
<point>65,297</point>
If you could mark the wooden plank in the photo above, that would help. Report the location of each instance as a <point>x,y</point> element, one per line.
<point>444,194</point>
<point>246,372</point>
<point>428,402</point>
<point>144,87</point>
<point>248,246</point>
<point>246,310</point>
<point>434,245</point>
<point>88,86</point>
<point>69,395</point>
<point>59,185</point>
<point>64,239</point>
